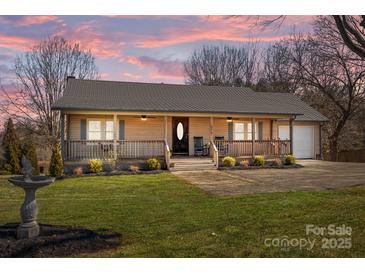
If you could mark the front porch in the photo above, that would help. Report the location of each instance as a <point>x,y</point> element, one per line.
<point>120,136</point>
<point>81,150</point>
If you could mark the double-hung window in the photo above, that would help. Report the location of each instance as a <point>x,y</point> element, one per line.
<point>95,131</point>
<point>100,130</point>
<point>109,130</point>
<point>243,131</point>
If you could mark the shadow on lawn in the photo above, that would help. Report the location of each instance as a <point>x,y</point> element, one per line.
<point>56,241</point>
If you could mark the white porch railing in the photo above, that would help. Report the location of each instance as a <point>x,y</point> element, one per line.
<point>244,148</point>
<point>140,149</point>
<point>100,149</point>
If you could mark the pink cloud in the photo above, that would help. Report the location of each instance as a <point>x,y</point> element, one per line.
<point>16,42</point>
<point>131,76</point>
<point>29,20</point>
<point>221,28</point>
<point>104,75</point>
<point>99,43</point>
<point>161,67</point>
<point>156,75</point>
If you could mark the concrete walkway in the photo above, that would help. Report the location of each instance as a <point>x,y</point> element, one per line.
<point>315,175</point>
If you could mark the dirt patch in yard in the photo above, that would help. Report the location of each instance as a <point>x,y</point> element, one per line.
<point>56,241</point>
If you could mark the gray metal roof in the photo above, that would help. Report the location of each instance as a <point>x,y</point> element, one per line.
<point>148,97</point>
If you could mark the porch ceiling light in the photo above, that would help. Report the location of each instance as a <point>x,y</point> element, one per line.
<point>143,117</point>
<point>229,119</point>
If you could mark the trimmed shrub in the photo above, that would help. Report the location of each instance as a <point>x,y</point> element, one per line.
<point>29,151</point>
<point>133,168</point>
<point>77,171</point>
<point>11,148</point>
<point>259,161</point>
<point>290,160</point>
<point>244,163</point>
<point>229,161</point>
<point>56,164</point>
<point>277,162</point>
<point>153,164</point>
<point>96,165</point>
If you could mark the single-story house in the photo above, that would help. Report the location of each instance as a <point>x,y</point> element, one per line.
<point>125,120</point>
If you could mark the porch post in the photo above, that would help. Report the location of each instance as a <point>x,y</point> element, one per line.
<point>291,134</point>
<point>211,128</point>
<point>62,132</point>
<point>165,128</point>
<point>253,122</point>
<point>115,121</point>
<point>271,129</point>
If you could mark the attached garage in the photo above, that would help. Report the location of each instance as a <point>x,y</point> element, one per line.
<point>303,140</point>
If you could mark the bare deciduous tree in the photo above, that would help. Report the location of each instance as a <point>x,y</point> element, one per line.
<point>350,27</point>
<point>352,31</point>
<point>223,66</point>
<point>276,74</point>
<point>330,72</point>
<point>40,80</point>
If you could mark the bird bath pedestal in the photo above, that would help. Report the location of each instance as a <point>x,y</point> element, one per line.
<point>29,227</point>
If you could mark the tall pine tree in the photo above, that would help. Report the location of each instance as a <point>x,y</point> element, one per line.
<point>11,146</point>
<point>56,165</point>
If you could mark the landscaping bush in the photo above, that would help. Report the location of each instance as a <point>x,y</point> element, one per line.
<point>277,162</point>
<point>96,165</point>
<point>56,164</point>
<point>290,160</point>
<point>259,161</point>
<point>153,164</point>
<point>244,163</point>
<point>11,146</point>
<point>77,171</point>
<point>229,161</point>
<point>133,168</point>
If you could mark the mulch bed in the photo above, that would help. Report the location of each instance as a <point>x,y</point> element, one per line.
<point>262,167</point>
<point>56,241</point>
<point>112,173</point>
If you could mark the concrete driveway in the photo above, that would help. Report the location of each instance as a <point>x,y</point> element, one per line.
<point>315,175</point>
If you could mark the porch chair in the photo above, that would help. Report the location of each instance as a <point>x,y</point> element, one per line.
<point>200,149</point>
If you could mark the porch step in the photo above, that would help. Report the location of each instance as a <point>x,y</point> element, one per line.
<point>192,164</point>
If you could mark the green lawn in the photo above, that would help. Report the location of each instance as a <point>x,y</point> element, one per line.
<point>162,216</point>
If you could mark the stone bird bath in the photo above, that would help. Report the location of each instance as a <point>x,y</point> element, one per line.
<point>29,227</point>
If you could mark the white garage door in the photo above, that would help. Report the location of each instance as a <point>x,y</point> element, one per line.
<point>303,136</point>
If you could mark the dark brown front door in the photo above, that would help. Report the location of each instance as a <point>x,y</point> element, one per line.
<point>180,135</point>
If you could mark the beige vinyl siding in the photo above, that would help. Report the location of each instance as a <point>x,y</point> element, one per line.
<point>220,128</point>
<point>136,129</point>
<point>198,126</point>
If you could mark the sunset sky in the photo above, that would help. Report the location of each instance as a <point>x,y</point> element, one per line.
<point>137,48</point>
